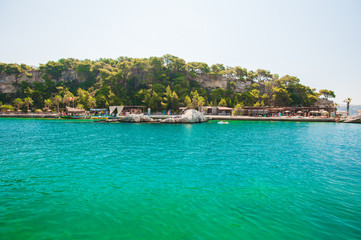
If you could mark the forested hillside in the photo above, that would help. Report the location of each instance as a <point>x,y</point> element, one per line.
<point>160,83</point>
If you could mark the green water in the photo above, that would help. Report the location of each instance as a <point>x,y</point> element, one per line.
<point>63,179</point>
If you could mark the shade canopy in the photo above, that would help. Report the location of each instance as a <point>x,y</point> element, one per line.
<point>74,110</point>
<point>225,108</point>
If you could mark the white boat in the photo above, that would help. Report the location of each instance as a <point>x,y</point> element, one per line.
<point>221,122</point>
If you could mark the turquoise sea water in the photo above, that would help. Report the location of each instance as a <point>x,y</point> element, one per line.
<point>247,180</point>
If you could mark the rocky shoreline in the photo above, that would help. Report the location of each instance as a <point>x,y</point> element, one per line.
<point>189,116</point>
<point>192,116</point>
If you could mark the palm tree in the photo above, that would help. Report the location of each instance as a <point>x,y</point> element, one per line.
<point>28,101</point>
<point>66,99</point>
<point>18,103</point>
<point>335,108</point>
<point>348,101</point>
<point>57,100</point>
<point>47,103</point>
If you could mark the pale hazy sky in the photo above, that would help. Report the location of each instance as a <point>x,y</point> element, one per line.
<point>317,41</point>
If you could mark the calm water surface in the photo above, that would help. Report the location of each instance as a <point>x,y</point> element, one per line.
<point>246,180</point>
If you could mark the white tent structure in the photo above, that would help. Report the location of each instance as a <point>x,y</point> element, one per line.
<point>118,109</point>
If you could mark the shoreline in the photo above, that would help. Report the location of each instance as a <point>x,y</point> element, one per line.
<point>278,119</point>
<point>31,115</point>
<point>210,117</point>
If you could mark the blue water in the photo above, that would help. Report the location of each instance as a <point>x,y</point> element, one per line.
<point>63,179</point>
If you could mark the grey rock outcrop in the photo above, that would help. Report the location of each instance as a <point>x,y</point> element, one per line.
<point>136,118</point>
<point>11,83</point>
<point>189,116</point>
<point>353,119</point>
<point>214,81</point>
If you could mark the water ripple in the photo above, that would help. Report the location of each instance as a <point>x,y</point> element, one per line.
<point>245,180</point>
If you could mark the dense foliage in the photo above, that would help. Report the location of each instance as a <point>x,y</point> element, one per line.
<point>160,83</point>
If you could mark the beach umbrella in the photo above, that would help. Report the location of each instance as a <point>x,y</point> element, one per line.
<point>299,112</point>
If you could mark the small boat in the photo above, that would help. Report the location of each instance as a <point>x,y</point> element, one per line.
<point>100,117</point>
<point>75,117</point>
<point>221,122</point>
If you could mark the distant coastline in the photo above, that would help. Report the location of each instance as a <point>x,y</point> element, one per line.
<point>211,117</point>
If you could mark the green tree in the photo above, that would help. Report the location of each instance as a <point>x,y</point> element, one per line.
<point>238,109</point>
<point>218,69</point>
<point>241,73</point>
<point>196,100</point>
<point>287,81</point>
<point>265,99</point>
<point>12,68</point>
<point>188,102</point>
<point>217,94</point>
<point>67,96</point>
<point>281,97</point>
<point>18,102</point>
<point>155,102</point>
<point>6,107</point>
<point>57,100</point>
<point>28,102</point>
<point>327,93</point>
<point>85,99</point>
<point>255,94</point>
<point>262,75</point>
<point>48,103</point>
<point>201,103</point>
<point>170,100</point>
<point>223,103</point>
<point>54,69</point>
<point>173,63</point>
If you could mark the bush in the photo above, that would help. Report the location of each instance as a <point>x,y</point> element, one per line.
<point>4,108</point>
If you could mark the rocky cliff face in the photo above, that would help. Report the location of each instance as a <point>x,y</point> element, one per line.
<point>214,81</point>
<point>8,83</point>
